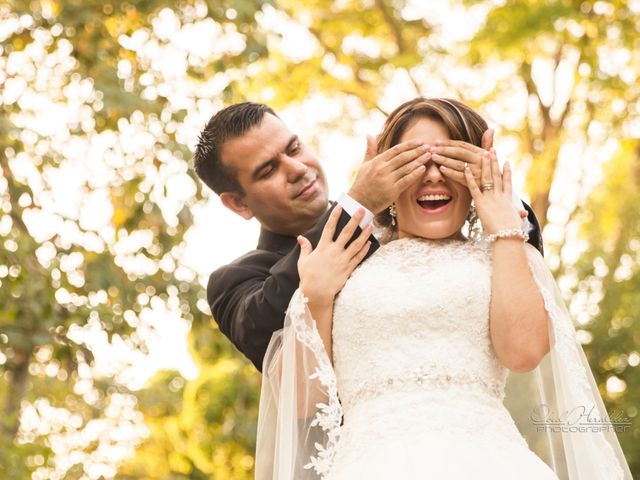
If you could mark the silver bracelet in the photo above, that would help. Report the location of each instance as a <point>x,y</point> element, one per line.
<point>507,233</point>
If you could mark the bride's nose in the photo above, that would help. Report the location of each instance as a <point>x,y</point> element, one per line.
<point>433,173</point>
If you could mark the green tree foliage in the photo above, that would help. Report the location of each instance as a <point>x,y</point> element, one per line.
<point>585,46</point>
<point>355,49</point>
<point>79,59</point>
<point>609,281</point>
<point>206,429</point>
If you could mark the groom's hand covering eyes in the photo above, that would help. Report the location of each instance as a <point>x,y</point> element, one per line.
<point>381,178</point>
<point>454,155</point>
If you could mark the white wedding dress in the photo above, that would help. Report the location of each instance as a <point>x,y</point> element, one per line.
<point>415,390</point>
<point>420,385</point>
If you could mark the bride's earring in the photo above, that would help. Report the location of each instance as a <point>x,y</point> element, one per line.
<point>472,218</point>
<point>392,212</point>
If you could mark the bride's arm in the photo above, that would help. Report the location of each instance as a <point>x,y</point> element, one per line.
<point>519,324</point>
<point>518,320</point>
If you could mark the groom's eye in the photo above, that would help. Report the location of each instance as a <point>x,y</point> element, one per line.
<point>295,148</point>
<point>267,171</point>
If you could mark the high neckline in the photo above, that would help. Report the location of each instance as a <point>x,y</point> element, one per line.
<point>442,241</point>
<point>437,243</point>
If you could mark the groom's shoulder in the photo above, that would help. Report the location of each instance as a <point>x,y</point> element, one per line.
<point>254,262</point>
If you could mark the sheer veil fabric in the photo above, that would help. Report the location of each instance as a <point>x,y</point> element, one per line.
<point>557,406</point>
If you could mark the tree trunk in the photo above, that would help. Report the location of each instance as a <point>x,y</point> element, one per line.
<point>15,393</point>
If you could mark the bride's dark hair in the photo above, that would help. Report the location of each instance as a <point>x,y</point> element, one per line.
<point>461,121</point>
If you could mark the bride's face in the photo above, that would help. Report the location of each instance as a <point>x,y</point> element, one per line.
<point>434,207</point>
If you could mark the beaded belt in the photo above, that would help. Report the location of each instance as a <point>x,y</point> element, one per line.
<point>421,376</point>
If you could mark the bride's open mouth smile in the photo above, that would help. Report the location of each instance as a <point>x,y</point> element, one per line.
<point>433,203</point>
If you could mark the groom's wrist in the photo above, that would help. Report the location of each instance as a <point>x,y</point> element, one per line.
<point>351,206</point>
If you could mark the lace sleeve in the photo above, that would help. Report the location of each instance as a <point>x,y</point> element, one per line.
<point>300,414</point>
<point>570,426</point>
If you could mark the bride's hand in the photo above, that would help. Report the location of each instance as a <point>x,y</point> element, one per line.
<point>493,198</point>
<point>324,271</point>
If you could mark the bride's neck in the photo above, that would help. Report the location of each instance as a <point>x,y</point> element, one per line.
<point>456,236</point>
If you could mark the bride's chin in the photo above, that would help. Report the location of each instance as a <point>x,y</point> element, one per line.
<point>440,232</point>
<point>432,228</point>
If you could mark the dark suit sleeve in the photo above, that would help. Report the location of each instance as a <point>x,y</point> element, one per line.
<point>535,235</point>
<point>249,302</point>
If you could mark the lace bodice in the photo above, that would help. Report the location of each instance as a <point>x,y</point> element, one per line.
<point>416,389</point>
<point>415,316</point>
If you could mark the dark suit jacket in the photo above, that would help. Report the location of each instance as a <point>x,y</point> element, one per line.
<point>249,297</point>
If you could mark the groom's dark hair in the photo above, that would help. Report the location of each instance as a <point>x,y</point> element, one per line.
<point>230,122</point>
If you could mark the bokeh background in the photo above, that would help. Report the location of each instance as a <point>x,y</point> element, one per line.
<point>111,364</point>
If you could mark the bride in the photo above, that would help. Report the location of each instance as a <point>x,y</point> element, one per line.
<point>443,355</point>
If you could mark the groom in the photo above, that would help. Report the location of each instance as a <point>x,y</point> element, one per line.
<point>260,169</point>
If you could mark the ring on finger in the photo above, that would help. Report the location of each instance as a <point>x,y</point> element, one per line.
<point>487,186</point>
<point>466,165</point>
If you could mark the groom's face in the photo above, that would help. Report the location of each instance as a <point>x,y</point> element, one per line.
<point>284,185</point>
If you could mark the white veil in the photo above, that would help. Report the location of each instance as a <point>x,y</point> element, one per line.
<point>300,413</point>
<point>566,423</point>
<point>557,406</point>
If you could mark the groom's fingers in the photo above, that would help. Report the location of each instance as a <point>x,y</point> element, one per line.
<point>457,165</point>
<point>460,144</point>
<point>457,152</point>
<point>487,139</point>
<point>404,182</point>
<point>410,167</point>
<point>456,175</point>
<point>459,176</point>
<point>410,149</point>
<point>403,157</point>
<point>372,148</point>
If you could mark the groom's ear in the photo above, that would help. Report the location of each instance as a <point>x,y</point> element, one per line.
<point>235,202</point>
